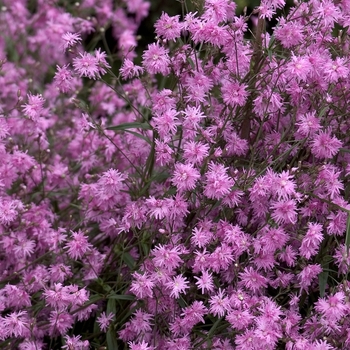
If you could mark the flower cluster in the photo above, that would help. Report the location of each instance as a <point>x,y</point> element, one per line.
<point>194,197</point>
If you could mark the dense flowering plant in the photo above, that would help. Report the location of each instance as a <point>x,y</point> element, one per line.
<point>193,196</point>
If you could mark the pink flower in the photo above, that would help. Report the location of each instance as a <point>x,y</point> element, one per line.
<point>235,146</point>
<point>246,340</point>
<point>253,280</point>
<point>342,259</point>
<point>8,212</point>
<point>222,257</point>
<point>195,152</point>
<point>102,63</point>
<point>284,186</point>
<point>201,237</point>
<point>329,179</point>
<point>70,39</point>
<point>129,70</point>
<point>327,12</point>
<point>336,69</point>
<point>192,118</point>
<point>307,275</point>
<point>140,346</point>
<point>156,59</point>
<point>166,257</point>
<point>234,94</point>
<point>324,146</point>
<point>60,322</point>
<point>219,304</point>
<point>219,10</point>
<point>239,319</point>
<point>332,307</point>
<point>58,297</point>
<point>308,124</point>
<point>141,321</point>
<point>163,101</point>
<point>218,183</point>
<point>111,182</point>
<point>166,123</point>
<point>284,212</point>
<point>87,65</point>
<point>289,33</point>
<point>35,107</point>
<point>163,153</point>
<point>178,285</point>
<point>17,324</point>
<point>185,177</point>
<point>74,342</point>
<point>168,27</point>
<point>63,79</point>
<point>59,272</point>
<point>288,255</point>
<point>205,282</point>
<point>312,240</point>
<point>299,67</point>
<point>104,320</point>
<point>194,313</point>
<point>158,208</point>
<point>78,246</point>
<point>142,285</point>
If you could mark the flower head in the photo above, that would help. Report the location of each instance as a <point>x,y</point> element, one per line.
<point>185,177</point>
<point>156,59</point>
<point>70,39</point>
<point>104,321</point>
<point>87,66</point>
<point>178,285</point>
<point>324,146</point>
<point>35,107</point>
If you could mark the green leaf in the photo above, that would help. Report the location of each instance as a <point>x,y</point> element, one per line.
<point>111,340</point>
<point>322,280</point>
<point>347,237</point>
<point>128,259</point>
<point>122,297</point>
<point>150,161</point>
<point>213,328</point>
<point>133,125</point>
<point>111,306</point>
<point>139,136</point>
<point>145,248</point>
<point>323,111</point>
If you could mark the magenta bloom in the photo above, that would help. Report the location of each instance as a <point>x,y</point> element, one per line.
<point>205,282</point>
<point>168,27</point>
<point>63,79</point>
<point>87,66</point>
<point>308,275</point>
<point>104,320</point>
<point>234,94</point>
<point>219,304</point>
<point>252,280</point>
<point>78,246</point>
<point>156,59</point>
<point>333,307</point>
<point>70,39</point>
<point>130,70</point>
<point>185,177</point>
<point>325,146</point>
<point>35,106</point>
<point>142,285</point>
<point>311,241</point>
<point>285,212</point>
<point>178,285</point>
<point>218,183</point>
